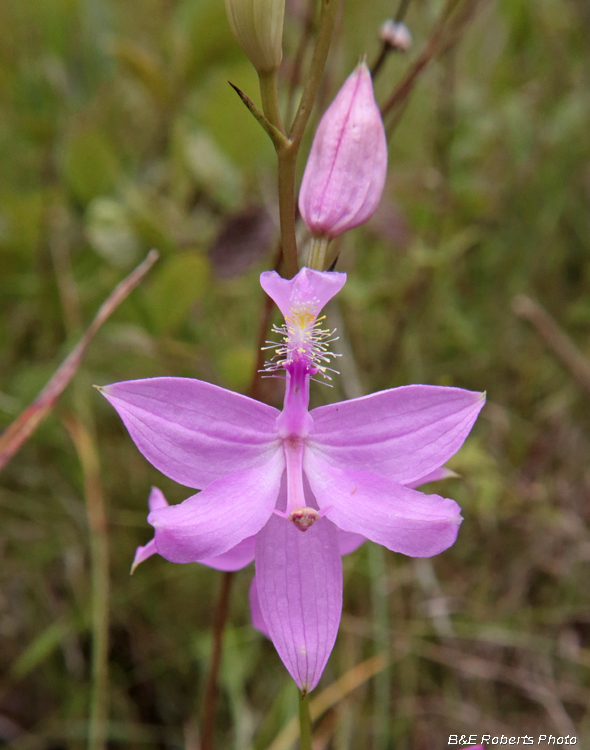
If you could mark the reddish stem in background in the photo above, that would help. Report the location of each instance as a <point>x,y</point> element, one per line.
<point>219,621</point>
<point>222,608</point>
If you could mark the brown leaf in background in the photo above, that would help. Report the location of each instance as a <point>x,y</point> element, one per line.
<point>244,239</point>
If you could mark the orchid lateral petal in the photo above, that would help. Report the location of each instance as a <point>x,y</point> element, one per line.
<point>192,431</point>
<point>235,558</point>
<point>308,288</point>
<point>142,554</point>
<point>229,510</point>
<point>299,584</point>
<point>433,476</point>
<point>156,499</point>
<point>255,611</point>
<point>386,512</point>
<point>403,433</point>
<point>349,542</point>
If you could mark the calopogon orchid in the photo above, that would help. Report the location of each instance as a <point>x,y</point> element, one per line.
<point>301,487</point>
<point>345,172</point>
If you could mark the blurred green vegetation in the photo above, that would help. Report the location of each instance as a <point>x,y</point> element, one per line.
<point>119,133</point>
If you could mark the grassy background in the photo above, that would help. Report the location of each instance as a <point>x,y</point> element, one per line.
<point>119,132</point>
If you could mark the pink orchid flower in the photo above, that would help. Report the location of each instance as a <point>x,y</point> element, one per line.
<point>272,475</point>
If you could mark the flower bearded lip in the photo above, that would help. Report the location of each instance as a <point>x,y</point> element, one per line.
<point>341,473</point>
<point>300,300</point>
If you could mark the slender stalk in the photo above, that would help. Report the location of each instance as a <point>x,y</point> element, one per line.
<point>555,338</point>
<point>82,431</point>
<point>287,172</point>
<point>298,58</point>
<point>27,422</point>
<point>219,621</point>
<point>287,156</point>
<point>100,585</point>
<point>304,723</point>
<point>317,253</point>
<point>452,21</point>
<point>269,95</point>
<point>328,13</point>
<point>381,637</point>
<point>386,48</point>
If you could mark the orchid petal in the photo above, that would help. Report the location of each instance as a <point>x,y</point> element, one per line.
<point>308,286</point>
<point>235,558</point>
<point>434,476</point>
<point>142,554</point>
<point>386,512</point>
<point>218,518</point>
<point>192,431</point>
<point>299,584</point>
<point>349,541</point>
<point>156,499</point>
<point>403,433</point>
<point>255,611</point>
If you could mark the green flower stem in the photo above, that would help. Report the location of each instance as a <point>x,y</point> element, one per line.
<point>99,587</point>
<point>317,253</point>
<point>328,13</point>
<point>304,723</point>
<point>269,95</point>
<point>287,158</point>
<point>287,155</point>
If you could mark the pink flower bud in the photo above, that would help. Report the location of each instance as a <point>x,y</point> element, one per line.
<point>396,35</point>
<point>346,169</point>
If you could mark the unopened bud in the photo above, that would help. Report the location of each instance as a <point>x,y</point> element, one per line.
<point>258,27</point>
<point>396,35</point>
<point>345,172</point>
<point>303,518</point>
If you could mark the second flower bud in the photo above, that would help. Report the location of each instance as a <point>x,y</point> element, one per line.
<point>258,27</point>
<point>347,165</point>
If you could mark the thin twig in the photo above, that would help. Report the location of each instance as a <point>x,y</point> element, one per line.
<point>328,13</point>
<point>297,64</point>
<point>556,339</point>
<point>546,692</point>
<point>219,621</point>
<point>447,30</point>
<point>386,48</point>
<point>27,422</point>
